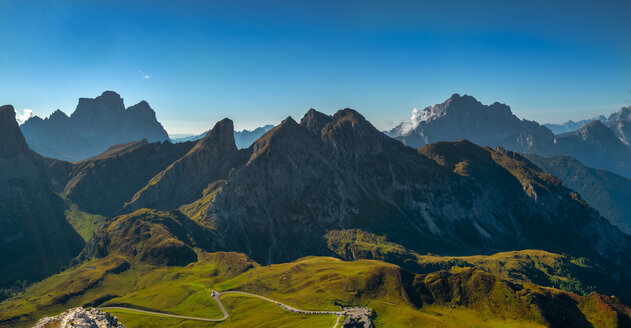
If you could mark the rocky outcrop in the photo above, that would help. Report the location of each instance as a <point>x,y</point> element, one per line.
<point>95,125</point>
<point>80,318</point>
<point>464,117</point>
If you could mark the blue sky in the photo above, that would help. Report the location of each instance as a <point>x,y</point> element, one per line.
<point>258,62</point>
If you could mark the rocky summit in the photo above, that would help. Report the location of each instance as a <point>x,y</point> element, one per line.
<point>600,143</point>
<point>486,125</point>
<point>94,126</point>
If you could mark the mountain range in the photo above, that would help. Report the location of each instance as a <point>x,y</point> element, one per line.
<point>94,126</point>
<point>164,221</point>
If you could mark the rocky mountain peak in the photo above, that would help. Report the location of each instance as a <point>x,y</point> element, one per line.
<point>108,101</point>
<point>314,121</point>
<point>95,125</point>
<point>595,129</point>
<point>141,106</point>
<point>58,115</point>
<point>11,139</point>
<point>348,114</point>
<point>220,137</point>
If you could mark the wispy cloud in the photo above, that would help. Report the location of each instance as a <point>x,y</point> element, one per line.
<point>25,115</point>
<point>143,75</point>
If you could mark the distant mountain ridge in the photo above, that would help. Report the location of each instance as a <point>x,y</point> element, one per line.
<point>486,125</point>
<point>571,126</point>
<point>597,144</point>
<point>607,192</point>
<point>95,125</point>
<point>243,138</point>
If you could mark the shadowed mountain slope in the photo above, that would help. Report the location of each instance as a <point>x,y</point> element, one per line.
<point>95,125</point>
<point>104,183</point>
<point>35,238</point>
<point>210,159</point>
<point>607,192</point>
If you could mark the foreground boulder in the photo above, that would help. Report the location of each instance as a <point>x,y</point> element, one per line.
<point>80,318</point>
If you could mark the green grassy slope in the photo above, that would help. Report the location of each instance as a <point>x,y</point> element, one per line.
<point>400,299</point>
<point>576,275</point>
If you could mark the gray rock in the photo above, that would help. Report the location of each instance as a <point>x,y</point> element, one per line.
<point>80,318</point>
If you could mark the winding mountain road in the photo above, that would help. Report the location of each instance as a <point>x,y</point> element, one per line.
<point>216,296</point>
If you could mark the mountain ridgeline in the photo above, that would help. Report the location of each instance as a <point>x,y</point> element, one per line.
<point>95,125</point>
<point>596,144</point>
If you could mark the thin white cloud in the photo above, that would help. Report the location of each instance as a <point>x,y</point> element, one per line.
<point>143,75</point>
<point>25,115</point>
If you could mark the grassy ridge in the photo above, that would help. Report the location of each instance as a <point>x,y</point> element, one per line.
<point>129,262</point>
<point>465,297</point>
<point>576,275</point>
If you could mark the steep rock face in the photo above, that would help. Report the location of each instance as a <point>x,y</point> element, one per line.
<point>464,117</point>
<point>103,184</point>
<point>607,192</point>
<point>35,239</point>
<point>597,146</point>
<point>95,125</point>
<point>332,172</point>
<point>211,159</point>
